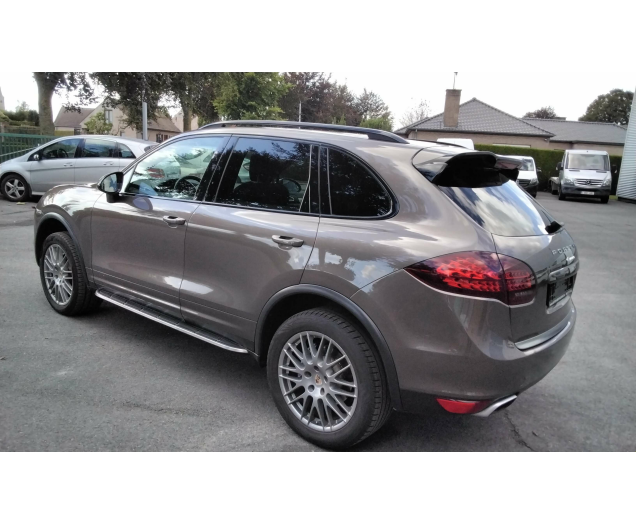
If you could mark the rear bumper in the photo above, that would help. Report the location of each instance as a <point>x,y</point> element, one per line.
<point>454,347</point>
<point>578,191</point>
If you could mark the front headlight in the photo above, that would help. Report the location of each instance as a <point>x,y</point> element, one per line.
<point>608,180</point>
<point>534,180</point>
<point>567,179</point>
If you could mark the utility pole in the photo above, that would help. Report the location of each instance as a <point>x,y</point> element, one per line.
<point>300,105</point>
<point>144,112</point>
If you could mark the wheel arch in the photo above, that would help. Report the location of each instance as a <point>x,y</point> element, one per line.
<point>301,297</point>
<point>55,223</point>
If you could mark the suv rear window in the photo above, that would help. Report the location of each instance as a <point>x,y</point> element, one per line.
<point>491,199</point>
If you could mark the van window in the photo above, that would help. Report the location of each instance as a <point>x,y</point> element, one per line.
<point>527,165</point>
<point>588,161</point>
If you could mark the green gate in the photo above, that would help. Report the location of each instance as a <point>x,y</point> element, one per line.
<point>14,145</point>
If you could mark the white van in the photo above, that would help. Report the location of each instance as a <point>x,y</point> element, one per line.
<point>583,173</point>
<point>528,177</point>
<point>464,143</point>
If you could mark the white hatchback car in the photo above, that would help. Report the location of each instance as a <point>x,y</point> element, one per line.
<point>79,159</point>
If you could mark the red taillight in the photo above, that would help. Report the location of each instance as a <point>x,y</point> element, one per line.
<point>478,274</point>
<point>463,407</point>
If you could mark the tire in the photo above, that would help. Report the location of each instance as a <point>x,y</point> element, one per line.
<point>364,414</point>
<point>552,190</point>
<point>604,200</point>
<point>561,194</point>
<point>14,188</point>
<point>60,258</point>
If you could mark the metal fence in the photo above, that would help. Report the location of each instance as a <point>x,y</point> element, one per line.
<point>13,144</point>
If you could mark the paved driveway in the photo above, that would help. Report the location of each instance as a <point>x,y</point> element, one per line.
<point>117,381</point>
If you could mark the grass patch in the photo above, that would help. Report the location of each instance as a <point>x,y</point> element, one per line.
<point>613,197</point>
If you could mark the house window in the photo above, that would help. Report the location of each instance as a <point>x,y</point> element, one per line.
<point>162,136</point>
<point>108,115</point>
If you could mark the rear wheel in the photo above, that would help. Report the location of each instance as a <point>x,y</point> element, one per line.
<point>15,188</point>
<point>327,381</point>
<point>561,194</point>
<point>553,190</point>
<point>62,276</point>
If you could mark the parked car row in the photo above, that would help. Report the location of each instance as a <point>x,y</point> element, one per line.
<point>366,272</point>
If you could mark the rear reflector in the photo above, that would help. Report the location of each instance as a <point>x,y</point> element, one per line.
<point>479,274</point>
<point>463,407</point>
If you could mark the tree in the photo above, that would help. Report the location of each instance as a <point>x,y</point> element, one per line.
<point>544,112</point>
<point>49,83</point>
<point>371,106</point>
<point>385,123</point>
<point>611,107</point>
<point>98,125</point>
<point>250,95</point>
<point>129,90</point>
<point>195,93</point>
<point>344,108</point>
<point>22,107</point>
<point>415,114</point>
<point>314,91</point>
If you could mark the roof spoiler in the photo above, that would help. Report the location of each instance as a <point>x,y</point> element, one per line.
<point>444,169</point>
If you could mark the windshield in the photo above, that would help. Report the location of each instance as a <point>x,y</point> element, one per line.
<point>527,165</point>
<point>588,161</point>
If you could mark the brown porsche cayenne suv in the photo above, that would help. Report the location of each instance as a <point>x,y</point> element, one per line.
<point>367,272</point>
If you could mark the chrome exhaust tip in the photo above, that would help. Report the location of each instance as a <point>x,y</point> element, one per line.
<point>497,405</point>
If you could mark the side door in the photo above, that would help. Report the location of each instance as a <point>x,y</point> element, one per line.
<point>138,238</point>
<point>252,236</point>
<point>56,165</point>
<point>97,157</point>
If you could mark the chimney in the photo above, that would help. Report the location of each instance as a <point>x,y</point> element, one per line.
<point>451,108</point>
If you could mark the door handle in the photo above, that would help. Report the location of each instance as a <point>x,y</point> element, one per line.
<point>287,241</point>
<point>109,163</point>
<point>70,165</point>
<point>171,220</point>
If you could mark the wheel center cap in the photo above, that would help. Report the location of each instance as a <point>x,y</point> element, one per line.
<point>318,380</point>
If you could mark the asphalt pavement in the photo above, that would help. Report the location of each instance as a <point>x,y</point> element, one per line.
<point>116,381</point>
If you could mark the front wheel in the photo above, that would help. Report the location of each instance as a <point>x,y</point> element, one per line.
<point>62,276</point>
<point>561,194</point>
<point>15,188</point>
<point>326,379</point>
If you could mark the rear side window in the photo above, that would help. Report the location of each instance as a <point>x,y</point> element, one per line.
<point>125,152</point>
<point>95,148</point>
<point>352,190</point>
<point>269,174</point>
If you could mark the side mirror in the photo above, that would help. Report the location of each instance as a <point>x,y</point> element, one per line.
<point>559,166</point>
<point>111,184</point>
<point>36,157</point>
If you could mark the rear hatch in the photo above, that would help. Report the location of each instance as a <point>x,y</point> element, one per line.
<point>482,185</point>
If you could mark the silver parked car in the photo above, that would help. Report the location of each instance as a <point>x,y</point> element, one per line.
<point>367,272</point>
<point>79,159</point>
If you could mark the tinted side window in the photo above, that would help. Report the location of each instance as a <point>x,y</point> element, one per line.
<point>64,149</point>
<point>94,148</point>
<point>269,174</point>
<point>176,170</point>
<point>125,152</point>
<point>353,190</point>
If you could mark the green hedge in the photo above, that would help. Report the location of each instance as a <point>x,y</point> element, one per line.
<point>547,159</point>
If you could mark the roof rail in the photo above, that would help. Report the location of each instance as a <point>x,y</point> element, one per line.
<point>373,134</point>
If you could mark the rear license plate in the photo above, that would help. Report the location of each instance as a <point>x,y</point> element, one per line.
<point>587,193</point>
<point>559,289</point>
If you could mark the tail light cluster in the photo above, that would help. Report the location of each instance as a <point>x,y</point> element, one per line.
<point>479,274</point>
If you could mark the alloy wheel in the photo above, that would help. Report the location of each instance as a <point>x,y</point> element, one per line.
<point>58,274</point>
<point>318,382</point>
<point>14,188</point>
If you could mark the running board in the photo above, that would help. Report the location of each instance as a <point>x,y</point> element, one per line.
<point>149,312</point>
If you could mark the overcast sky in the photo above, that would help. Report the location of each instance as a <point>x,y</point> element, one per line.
<point>514,92</point>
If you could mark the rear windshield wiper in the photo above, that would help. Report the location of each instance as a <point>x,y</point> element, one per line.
<point>554,227</point>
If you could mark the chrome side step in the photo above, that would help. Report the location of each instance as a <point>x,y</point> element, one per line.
<point>178,324</point>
